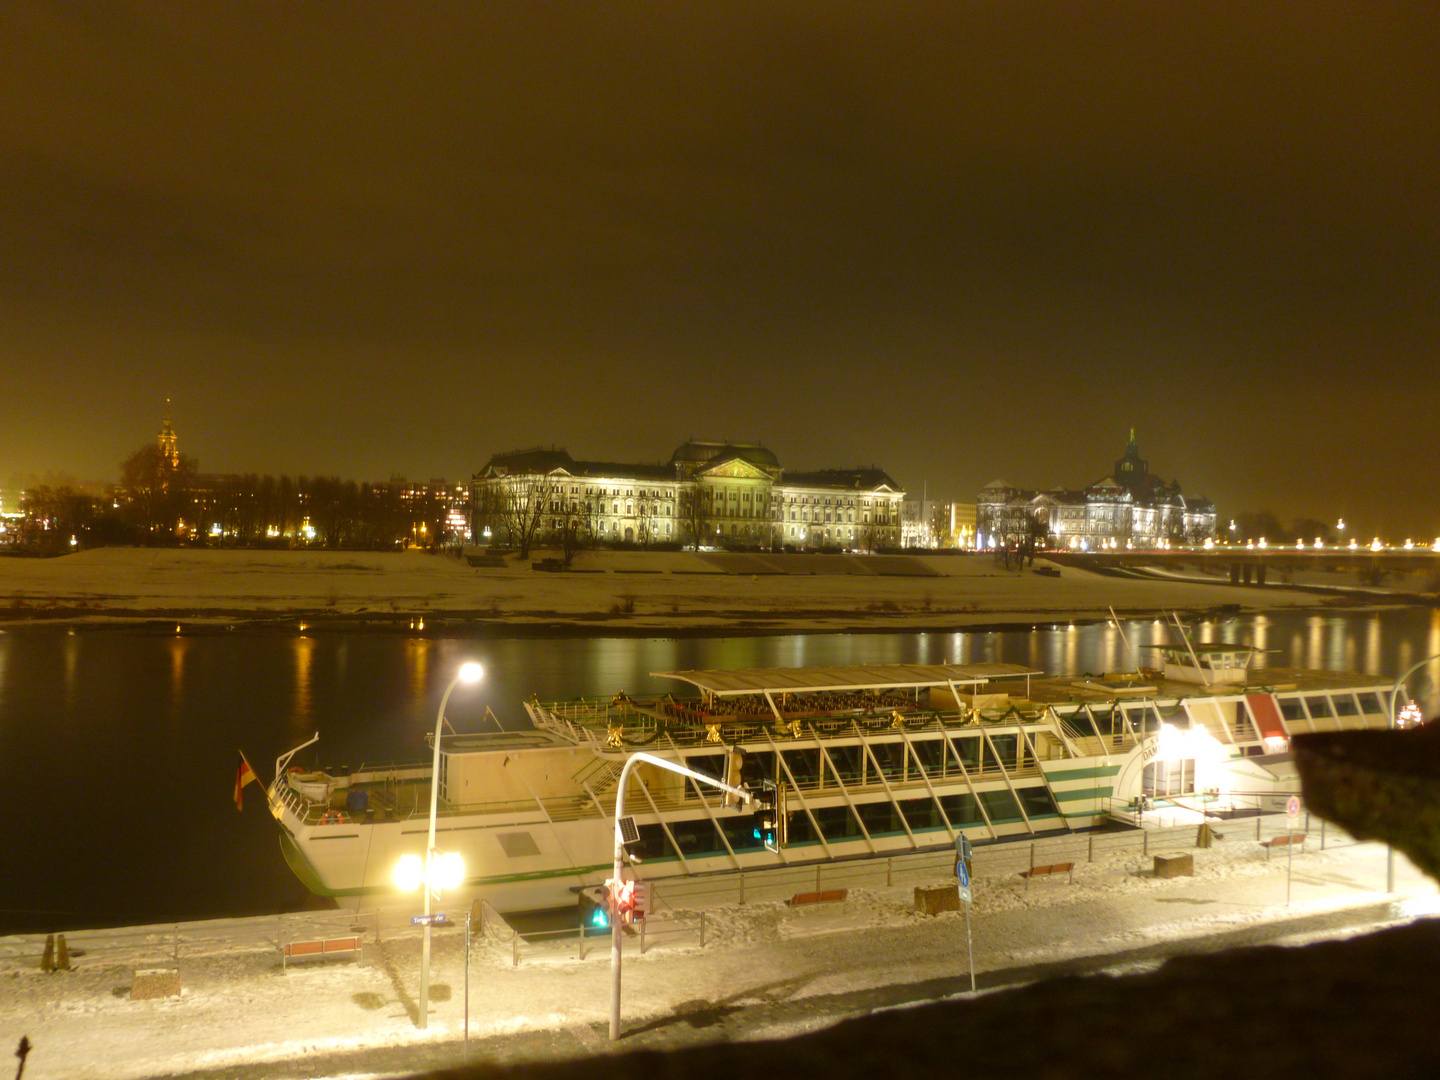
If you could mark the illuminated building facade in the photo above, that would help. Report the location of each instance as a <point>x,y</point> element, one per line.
<point>724,494</point>
<point>1128,508</point>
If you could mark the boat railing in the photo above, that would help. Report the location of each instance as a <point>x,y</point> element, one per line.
<point>611,730</point>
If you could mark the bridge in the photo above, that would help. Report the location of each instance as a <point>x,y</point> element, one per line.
<point>1359,567</point>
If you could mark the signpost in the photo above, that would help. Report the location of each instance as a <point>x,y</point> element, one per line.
<point>962,879</point>
<point>475,915</point>
<point>1292,810</point>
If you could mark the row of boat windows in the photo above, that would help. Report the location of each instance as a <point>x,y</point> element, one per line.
<point>979,754</point>
<point>1145,719</point>
<point>1325,705</point>
<point>700,836</point>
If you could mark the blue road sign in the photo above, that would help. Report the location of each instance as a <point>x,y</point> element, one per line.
<point>438,919</point>
<point>962,874</point>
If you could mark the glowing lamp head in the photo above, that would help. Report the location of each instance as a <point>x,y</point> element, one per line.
<point>470,672</point>
<point>409,873</point>
<point>449,870</point>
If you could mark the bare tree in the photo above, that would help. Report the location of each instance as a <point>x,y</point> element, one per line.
<point>696,513</point>
<point>157,488</point>
<point>517,505</point>
<point>644,520</point>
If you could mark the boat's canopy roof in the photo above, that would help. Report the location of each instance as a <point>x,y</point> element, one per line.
<point>1202,648</point>
<point>804,680</point>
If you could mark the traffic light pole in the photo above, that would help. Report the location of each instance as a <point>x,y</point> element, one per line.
<point>651,759</point>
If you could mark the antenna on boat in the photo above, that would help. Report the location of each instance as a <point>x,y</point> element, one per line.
<point>1125,641</point>
<point>1204,679</point>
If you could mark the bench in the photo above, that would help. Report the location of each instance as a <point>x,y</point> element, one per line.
<point>1045,871</point>
<point>830,896</point>
<point>321,947</point>
<point>1284,840</point>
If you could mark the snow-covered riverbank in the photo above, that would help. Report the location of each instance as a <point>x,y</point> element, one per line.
<point>607,592</point>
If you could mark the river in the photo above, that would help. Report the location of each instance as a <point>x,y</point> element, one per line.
<point>118,746</point>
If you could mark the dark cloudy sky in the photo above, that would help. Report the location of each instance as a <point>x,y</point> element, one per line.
<point>961,241</point>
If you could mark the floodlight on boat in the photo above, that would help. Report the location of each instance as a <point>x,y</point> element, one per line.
<point>471,672</point>
<point>409,873</point>
<point>448,871</point>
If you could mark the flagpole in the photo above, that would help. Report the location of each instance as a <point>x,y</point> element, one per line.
<point>244,774</point>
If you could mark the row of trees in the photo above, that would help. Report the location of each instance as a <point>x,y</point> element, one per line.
<point>161,500</point>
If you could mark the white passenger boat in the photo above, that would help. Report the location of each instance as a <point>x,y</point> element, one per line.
<point>868,760</point>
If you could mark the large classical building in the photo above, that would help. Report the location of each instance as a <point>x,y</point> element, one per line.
<point>1128,508</point>
<point>723,494</point>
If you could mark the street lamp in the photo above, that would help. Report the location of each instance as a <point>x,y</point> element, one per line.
<point>439,871</point>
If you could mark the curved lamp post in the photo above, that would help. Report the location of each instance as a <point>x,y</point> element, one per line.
<point>744,796</point>
<point>1390,716</point>
<point>439,870</point>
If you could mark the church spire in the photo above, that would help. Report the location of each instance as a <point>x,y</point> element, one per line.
<point>169,449</point>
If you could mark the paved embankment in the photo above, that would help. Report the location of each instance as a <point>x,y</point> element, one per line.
<point>764,969</point>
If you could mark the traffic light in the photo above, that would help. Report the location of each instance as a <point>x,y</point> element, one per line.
<point>769,815</point>
<point>625,899</point>
<point>595,906</point>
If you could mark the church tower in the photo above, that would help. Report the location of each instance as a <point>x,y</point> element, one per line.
<point>1131,470</point>
<point>169,450</point>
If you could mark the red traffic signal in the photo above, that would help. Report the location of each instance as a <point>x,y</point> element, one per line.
<point>628,900</point>
<point>624,896</point>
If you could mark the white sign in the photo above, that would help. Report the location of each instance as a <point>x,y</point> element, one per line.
<point>965,894</point>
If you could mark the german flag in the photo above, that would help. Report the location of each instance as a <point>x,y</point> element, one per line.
<point>244,774</point>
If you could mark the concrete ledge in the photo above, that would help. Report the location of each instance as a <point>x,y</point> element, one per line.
<point>152,983</point>
<point>935,899</point>
<point>1168,866</point>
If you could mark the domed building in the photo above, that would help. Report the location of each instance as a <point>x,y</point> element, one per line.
<point>709,494</point>
<point>1127,508</point>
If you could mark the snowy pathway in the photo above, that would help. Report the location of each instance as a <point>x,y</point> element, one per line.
<point>239,1010</point>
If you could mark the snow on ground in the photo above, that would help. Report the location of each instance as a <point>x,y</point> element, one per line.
<point>238,1005</point>
<point>610,590</point>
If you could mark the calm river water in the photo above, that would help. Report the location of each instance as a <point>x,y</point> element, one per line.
<point>118,747</point>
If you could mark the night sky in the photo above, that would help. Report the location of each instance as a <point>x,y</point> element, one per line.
<point>960,241</point>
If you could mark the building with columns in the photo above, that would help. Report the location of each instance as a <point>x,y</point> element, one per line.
<point>719,493</point>
<point>1128,508</point>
